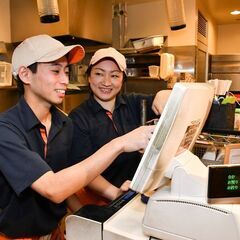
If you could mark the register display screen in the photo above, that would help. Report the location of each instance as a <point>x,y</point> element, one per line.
<point>224,184</point>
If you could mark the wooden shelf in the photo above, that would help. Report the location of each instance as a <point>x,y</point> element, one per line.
<point>143,78</point>
<point>8,87</point>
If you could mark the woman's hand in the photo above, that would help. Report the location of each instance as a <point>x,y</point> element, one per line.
<point>160,101</point>
<point>123,188</point>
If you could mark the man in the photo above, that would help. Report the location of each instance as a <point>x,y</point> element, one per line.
<point>35,142</point>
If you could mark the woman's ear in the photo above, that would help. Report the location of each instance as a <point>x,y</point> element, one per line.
<point>88,79</point>
<point>24,74</point>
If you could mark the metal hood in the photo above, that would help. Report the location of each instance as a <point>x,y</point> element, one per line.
<point>71,39</point>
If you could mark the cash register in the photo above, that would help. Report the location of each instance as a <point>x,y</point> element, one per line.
<point>178,206</point>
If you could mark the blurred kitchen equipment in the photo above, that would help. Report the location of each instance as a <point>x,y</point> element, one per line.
<point>210,148</point>
<point>78,74</point>
<point>176,14</point>
<point>138,79</point>
<point>237,119</point>
<point>153,71</point>
<point>3,48</point>
<point>166,66</point>
<point>221,86</point>
<point>119,25</point>
<point>5,74</point>
<point>221,117</point>
<point>148,44</point>
<point>3,52</point>
<point>48,11</point>
<point>143,112</point>
<point>225,67</point>
<point>137,63</point>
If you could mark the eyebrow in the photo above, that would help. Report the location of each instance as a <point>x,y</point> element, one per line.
<point>101,69</point>
<point>55,64</point>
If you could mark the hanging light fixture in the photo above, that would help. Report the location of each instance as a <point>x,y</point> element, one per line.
<point>176,14</point>
<point>48,11</point>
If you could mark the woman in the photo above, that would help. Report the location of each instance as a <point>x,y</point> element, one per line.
<point>107,114</point>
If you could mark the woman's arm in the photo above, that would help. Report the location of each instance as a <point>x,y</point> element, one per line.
<point>104,188</point>
<point>160,101</point>
<point>73,203</point>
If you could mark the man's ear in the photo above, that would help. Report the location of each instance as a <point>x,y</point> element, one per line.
<point>24,74</point>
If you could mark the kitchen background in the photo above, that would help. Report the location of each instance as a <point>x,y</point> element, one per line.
<point>93,24</point>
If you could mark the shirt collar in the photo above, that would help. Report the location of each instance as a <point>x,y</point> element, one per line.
<point>30,120</point>
<point>96,107</point>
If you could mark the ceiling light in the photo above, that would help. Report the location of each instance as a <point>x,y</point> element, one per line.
<point>48,11</point>
<point>235,12</point>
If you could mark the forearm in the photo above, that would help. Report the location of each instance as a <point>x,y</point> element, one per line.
<point>104,188</point>
<point>58,186</point>
<point>73,203</point>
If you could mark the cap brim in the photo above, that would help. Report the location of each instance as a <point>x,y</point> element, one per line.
<point>76,54</point>
<point>114,59</point>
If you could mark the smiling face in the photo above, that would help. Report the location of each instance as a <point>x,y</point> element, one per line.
<point>105,81</point>
<point>49,84</point>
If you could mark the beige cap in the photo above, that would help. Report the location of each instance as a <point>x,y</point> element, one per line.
<point>43,48</point>
<point>109,53</point>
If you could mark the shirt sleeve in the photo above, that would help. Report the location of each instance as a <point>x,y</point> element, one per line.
<point>19,165</point>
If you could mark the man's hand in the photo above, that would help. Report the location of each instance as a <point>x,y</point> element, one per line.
<point>136,140</point>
